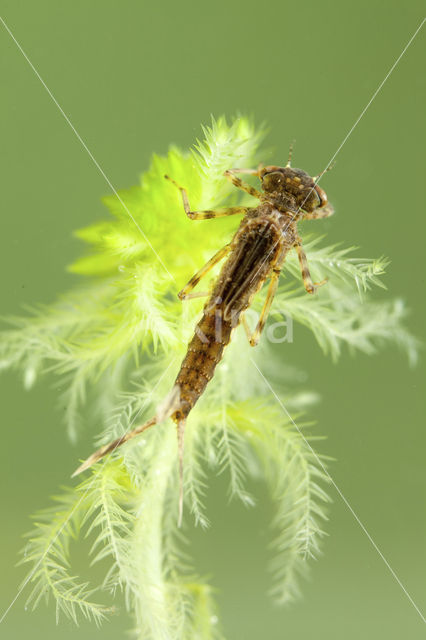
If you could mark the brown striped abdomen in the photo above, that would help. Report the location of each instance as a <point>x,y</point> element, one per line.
<point>205,351</point>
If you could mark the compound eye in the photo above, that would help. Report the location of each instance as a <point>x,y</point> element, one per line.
<point>322,196</point>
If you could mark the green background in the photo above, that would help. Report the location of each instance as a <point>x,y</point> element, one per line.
<point>134,77</point>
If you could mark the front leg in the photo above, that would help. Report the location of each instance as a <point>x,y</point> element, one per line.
<point>249,172</point>
<point>208,213</point>
<point>311,287</point>
<point>237,182</point>
<point>320,212</point>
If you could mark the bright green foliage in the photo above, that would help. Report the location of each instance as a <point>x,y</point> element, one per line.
<point>99,501</point>
<point>341,312</point>
<point>117,341</point>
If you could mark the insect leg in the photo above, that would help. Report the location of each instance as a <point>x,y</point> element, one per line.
<point>250,172</point>
<point>310,286</point>
<point>246,327</point>
<point>240,184</point>
<point>323,212</point>
<point>208,213</point>
<point>183,295</point>
<point>201,294</point>
<point>254,339</point>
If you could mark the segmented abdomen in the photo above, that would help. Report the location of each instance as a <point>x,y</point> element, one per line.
<point>205,351</point>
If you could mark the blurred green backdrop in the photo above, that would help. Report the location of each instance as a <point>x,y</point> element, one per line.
<point>136,76</point>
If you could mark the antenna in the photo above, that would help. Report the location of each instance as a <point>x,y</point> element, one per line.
<point>290,153</point>
<point>329,168</point>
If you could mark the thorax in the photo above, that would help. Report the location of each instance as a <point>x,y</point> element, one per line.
<point>281,223</point>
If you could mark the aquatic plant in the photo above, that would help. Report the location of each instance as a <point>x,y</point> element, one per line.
<point>117,340</point>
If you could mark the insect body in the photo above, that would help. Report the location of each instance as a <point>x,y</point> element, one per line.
<point>257,252</point>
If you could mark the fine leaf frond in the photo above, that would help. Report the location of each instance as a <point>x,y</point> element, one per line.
<point>48,552</point>
<point>225,147</point>
<point>339,263</point>
<point>335,317</point>
<point>294,474</point>
<point>232,457</point>
<point>197,442</point>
